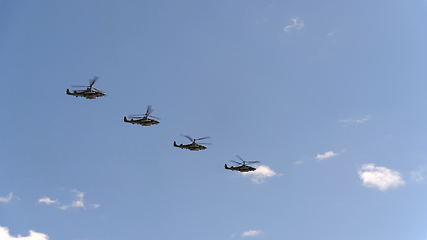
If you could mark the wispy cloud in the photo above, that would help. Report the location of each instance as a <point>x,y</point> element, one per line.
<point>326,155</point>
<point>78,202</point>
<point>251,233</point>
<point>417,175</point>
<point>379,177</point>
<point>96,205</point>
<point>5,235</point>
<point>299,162</point>
<point>7,198</point>
<point>295,25</point>
<point>260,174</point>
<point>47,201</point>
<point>355,121</point>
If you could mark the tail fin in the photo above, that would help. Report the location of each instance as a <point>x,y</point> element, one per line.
<point>226,167</point>
<point>125,119</point>
<point>174,144</point>
<point>68,91</point>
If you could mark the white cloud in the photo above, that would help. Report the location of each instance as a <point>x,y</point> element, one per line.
<point>5,235</point>
<point>79,202</point>
<point>47,201</point>
<point>417,175</point>
<point>326,155</point>
<point>296,24</point>
<point>355,121</point>
<point>251,233</point>
<point>378,177</point>
<point>260,174</point>
<point>6,199</point>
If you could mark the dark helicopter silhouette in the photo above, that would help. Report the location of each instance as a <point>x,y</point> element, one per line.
<point>193,146</point>
<point>143,119</point>
<point>89,93</point>
<point>243,167</point>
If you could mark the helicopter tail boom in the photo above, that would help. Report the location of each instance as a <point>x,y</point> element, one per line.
<point>176,145</point>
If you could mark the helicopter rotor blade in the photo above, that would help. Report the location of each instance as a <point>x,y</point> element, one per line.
<point>154,117</point>
<point>77,86</point>
<point>92,81</point>
<point>198,139</point>
<point>98,90</point>
<point>236,162</point>
<point>149,110</point>
<point>239,157</point>
<point>188,137</point>
<point>253,162</point>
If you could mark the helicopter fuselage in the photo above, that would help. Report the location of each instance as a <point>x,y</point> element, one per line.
<point>145,121</point>
<point>88,93</point>
<point>243,168</point>
<point>192,146</point>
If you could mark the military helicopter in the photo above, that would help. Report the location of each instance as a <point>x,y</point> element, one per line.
<point>143,119</point>
<point>194,146</point>
<point>243,167</point>
<point>89,93</point>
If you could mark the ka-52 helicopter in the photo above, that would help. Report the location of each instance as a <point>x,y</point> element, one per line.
<point>90,92</point>
<point>143,119</point>
<point>194,146</point>
<point>243,167</point>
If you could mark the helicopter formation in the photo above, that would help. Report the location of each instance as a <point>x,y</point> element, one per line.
<point>147,119</point>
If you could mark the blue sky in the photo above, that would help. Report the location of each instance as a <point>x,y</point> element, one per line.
<point>328,95</point>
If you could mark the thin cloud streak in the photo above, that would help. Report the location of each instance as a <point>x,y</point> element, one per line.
<point>299,162</point>
<point>296,24</point>
<point>355,121</point>
<point>7,198</point>
<point>47,201</point>
<point>326,155</point>
<point>251,233</point>
<point>78,202</point>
